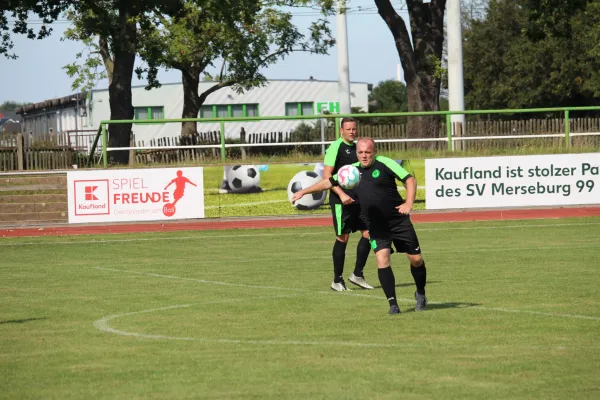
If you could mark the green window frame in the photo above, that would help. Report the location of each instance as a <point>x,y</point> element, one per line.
<point>146,113</point>
<point>150,112</point>
<point>247,110</point>
<point>302,107</point>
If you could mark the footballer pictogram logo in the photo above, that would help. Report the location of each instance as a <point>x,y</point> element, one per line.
<point>89,193</point>
<point>180,181</point>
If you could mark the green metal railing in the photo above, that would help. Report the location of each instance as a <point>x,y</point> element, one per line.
<point>448,114</point>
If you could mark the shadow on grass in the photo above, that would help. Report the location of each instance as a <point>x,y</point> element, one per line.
<point>441,306</point>
<point>20,321</point>
<point>398,285</point>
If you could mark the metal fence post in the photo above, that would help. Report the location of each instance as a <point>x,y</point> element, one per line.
<point>449,132</point>
<point>104,155</point>
<point>20,152</point>
<point>223,153</point>
<point>567,130</point>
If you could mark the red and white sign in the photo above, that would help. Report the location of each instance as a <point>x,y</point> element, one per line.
<point>135,194</point>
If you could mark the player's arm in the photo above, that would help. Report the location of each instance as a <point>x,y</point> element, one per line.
<point>329,165</point>
<point>411,195</point>
<point>409,182</point>
<point>317,187</point>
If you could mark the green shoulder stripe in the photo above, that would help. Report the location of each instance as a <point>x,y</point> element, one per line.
<point>400,172</point>
<point>332,152</point>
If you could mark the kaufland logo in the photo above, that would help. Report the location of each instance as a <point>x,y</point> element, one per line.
<point>91,197</point>
<point>89,193</point>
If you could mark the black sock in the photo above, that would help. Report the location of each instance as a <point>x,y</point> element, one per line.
<point>388,284</point>
<point>339,256</point>
<point>420,276</point>
<point>362,253</point>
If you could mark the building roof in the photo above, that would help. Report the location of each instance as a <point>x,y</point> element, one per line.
<point>60,102</point>
<point>268,80</point>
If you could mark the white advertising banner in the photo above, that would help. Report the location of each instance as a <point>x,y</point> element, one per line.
<point>514,181</point>
<point>135,194</point>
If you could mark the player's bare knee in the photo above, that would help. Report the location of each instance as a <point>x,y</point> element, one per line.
<point>383,258</point>
<point>343,238</point>
<point>365,234</point>
<point>416,260</point>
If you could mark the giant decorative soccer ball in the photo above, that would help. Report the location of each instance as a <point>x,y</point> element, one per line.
<point>243,178</point>
<point>300,181</point>
<point>348,177</point>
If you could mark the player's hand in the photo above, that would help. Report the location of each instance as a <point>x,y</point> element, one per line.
<point>346,200</point>
<point>297,196</point>
<point>404,208</point>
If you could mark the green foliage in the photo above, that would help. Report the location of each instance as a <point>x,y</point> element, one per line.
<point>244,36</point>
<point>387,96</point>
<point>526,54</point>
<point>89,67</point>
<point>18,11</point>
<point>10,105</point>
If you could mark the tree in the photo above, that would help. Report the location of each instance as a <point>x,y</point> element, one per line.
<point>523,56</point>
<point>117,22</point>
<point>247,35</point>
<point>12,105</point>
<point>420,58</point>
<point>48,11</point>
<point>388,96</point>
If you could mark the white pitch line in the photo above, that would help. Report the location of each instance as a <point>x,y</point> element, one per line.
<point>248,204</point>
<point>103,325</point>
<point>298,234</point>
<point>232,284</point>
<point>153,239</point>
<point>545,314</point>
<point>541,313</point>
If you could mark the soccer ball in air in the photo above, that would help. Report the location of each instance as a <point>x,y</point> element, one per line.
<point>300,181</point>
<point>243,178</point>
<point>348,177</point>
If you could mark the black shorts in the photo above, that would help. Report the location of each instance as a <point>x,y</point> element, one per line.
<point>347,219</point>
<point>399,232</point>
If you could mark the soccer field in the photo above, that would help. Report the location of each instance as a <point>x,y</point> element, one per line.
<point>514,312</point>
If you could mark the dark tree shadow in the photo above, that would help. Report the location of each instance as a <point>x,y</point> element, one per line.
<point>21,321</point>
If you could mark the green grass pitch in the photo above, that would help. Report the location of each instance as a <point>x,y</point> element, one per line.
<point>248,314</point>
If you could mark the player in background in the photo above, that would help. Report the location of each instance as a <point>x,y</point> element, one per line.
<point>345,209</point>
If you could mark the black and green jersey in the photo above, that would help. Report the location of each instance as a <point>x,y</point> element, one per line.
<point>378,191</point>
<point>338,154</point>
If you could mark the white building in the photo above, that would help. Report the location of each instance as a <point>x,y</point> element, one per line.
<point>276,98</point>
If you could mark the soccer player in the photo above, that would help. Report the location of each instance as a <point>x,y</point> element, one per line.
<point>388,217</point>
<point>345,209</point>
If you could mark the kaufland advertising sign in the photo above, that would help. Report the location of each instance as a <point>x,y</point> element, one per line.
<point>512,181</point>
<point>135,195</point>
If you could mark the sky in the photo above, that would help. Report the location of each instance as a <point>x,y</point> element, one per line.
<point>37,74</point>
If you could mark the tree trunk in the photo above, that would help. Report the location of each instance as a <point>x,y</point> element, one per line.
<point>121,106</point>
<point>423,95</point>
<point>421,60</point>
<point>119,89</point>
<point>191,104</point>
